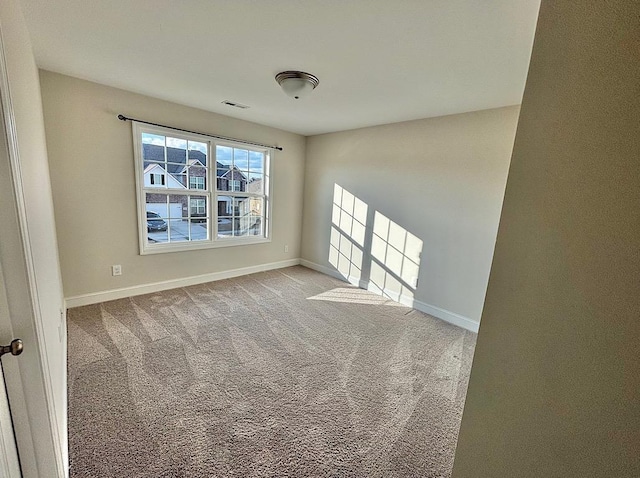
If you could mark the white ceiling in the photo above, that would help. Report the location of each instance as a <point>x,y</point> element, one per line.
<point>378,61</point>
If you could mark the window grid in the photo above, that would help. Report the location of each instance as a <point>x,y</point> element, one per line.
<point>244,216</point>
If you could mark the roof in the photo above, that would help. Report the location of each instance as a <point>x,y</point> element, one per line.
<point>177,161</point>
<point>177,158</point>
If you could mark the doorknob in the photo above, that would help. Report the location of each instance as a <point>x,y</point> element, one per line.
<point>14,348</point>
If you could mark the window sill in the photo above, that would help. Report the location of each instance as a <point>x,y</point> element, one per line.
<point>147,249</point>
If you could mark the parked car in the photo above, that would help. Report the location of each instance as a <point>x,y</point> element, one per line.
<point>155,222</point>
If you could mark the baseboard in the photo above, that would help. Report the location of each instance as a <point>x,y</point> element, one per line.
<point>97,297</point>
<point>333,273</point>
<point>447,316</point>
<point>438,312</point>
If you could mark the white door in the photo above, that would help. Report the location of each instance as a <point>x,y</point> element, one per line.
<point>9,464</point>
<point>22,378</point>
<point>35,381</point>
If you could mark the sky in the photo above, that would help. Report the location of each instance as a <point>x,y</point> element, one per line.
<point>243,159</point>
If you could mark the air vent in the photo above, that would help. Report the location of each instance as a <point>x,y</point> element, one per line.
<point>235,105</point>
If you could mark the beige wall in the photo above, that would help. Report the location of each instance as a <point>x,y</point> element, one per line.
<point>555,383</point>
<point>32,277</point>
<point>441,181</point>
<point>92,172</point>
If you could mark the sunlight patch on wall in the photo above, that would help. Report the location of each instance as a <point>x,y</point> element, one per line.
<point>395,258</point>
<point>348,228</point>
<point>382,257</point>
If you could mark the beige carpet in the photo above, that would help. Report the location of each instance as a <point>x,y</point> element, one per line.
<point>287,373</point>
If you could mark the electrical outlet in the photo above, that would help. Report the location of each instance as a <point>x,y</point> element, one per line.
<point>116,270</point>
<point>414,281</point>
<point>286,248</point>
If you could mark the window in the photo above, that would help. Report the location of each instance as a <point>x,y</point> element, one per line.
<point>196,182</point>
<point>157,179</point>
<point>194,192</point>
<point>198,207</point>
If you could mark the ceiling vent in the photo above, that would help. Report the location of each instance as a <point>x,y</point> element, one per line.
<point>234,104</point>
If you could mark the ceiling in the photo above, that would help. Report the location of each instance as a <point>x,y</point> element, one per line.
<point>378,61</point>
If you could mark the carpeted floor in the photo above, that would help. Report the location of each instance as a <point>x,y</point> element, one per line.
<point>286,373</point>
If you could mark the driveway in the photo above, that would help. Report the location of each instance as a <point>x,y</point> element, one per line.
<point>180,232</point>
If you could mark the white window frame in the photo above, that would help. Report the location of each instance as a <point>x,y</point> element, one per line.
<point>198,206</point>
<point>197,183</point>
<point>211,193</point>
<point>153,176</point>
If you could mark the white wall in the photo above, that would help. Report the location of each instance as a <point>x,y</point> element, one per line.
<point>554,389</point>
<point>92,172</point>
<point>440,181</point>
<point>40,261</point>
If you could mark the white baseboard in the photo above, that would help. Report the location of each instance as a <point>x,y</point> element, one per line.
<point>446,315</point>
<point>333,273</point>
<point>438,312</point>
<point>97,297</point>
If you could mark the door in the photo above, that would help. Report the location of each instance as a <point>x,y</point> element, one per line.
<point>9,463</point>
<point>24,378</point>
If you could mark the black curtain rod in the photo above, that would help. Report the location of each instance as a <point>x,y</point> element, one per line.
<point>124,118</point>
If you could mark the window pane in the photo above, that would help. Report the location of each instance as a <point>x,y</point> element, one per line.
<point>255,226</point>
<point>157,237</point>
<point>225,226</point>
<point>178,206</point>
<point>177,181</point>
<point>256,162</point>
<point>152,148</point>
<point>177,144</point>
<point>241,206</point>
<point>178,157</point>
<point>199,229</point>
<point>240,226</point>
<point>154,176</point>
<point>197,177</point>
<point>154,237</point>
<point>150,138</point>
<point>222,184</point>
<point>224,156</point>
<point>157,204</point>
<point>148,164</point>
<point>233,180</point>
<point>178,230</point>
<point>198,152</point>
<point>156,224</point>
<point>256,206</point>
<point>241,159</point>
<point>196,182</point>
<point>225,206</point>
<point>157,213</point>
<point>223,172</point>
<point>255,183</point>
<point>198,207</point>
<point>238,181</point>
